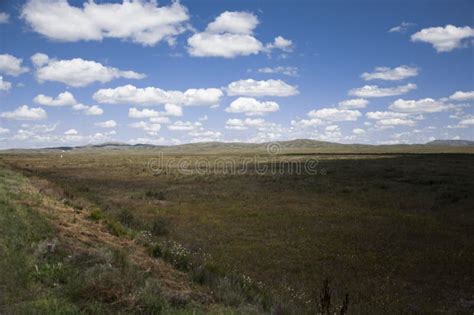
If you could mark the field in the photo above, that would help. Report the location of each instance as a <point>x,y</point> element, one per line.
<point>392,231</point>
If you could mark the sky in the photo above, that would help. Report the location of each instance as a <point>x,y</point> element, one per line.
<point>375,72</point>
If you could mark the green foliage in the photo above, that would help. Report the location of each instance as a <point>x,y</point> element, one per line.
<point>159,227</point>
<point>116,228</point>
<point>96,215</point>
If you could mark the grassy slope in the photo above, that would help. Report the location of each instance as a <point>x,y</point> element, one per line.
<point>55,260</point>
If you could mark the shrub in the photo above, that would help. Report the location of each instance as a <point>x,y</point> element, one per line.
<point>116,228</point>
<point>159,227</point>
<point>155,250</point>
<point>127,218</point>
<point>159,195</point>
<point>96,215</point>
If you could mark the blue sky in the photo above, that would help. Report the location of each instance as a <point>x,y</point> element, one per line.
<point>176,72</point>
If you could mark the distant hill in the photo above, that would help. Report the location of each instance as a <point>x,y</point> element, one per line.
<point>452,143</point>
<point>297,146</point>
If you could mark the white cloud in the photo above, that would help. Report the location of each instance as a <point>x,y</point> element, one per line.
<point>93,110</point>
<point>184,125</point>
<point>156,96</point>
<point>252,107</point>
<point>334,114</point>
<point>71,132</point>
<point>467,122</point>
<point>4,85</point>
<point>173,110</point>
<point>231,35</point>
<point>332,128</point>
<point>388,74</point>
<point>142,22</point>
<point>67,99</point>
<point>243,124</point>
<point>385,115</point>
<point>255,88</point>
<point>358,131</point>
<point>63,99</point>
<point>307,123</point>
<point>25,113</point>
<point>4,18</point>
<point>375,91</point>
<point>353,103</point>
<point>149,127</point>
<point>426,105</point>
<point>233,22</point>
<point>225,45</point>
<point>160,120</point>
<point>107,124</point>
<point>389,119</point>
<point>11,65</point>
<point>77,72</point>
<point>444,39</point>
<point>145,113</point>
<point>402,28</point>
<point>289,71</point>
<point>395,122</point>
<point>4,130</point>
<point>281,43</point>
<point>462,96</point>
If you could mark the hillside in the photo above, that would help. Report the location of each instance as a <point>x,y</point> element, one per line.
<point>305,146</point>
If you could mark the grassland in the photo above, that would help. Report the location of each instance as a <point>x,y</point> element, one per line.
<point>394,231</point>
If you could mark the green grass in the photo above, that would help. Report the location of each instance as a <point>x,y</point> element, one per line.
<point>42,274</point>
<point>392,231</point>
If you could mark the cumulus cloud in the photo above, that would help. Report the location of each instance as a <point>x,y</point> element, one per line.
<point>67,99</point>
<point>93,110</point>
<point>63,99</point>
<point>358,131</point>
<point>281,43</point>
<point>71,132</point>
<point>289,71</point>
<point>426,105</point>
<point>184,125</point>
<point>156,96</point>
<point>4,18</point>
<point>25,113</point>
<point>4,130</point>
<point>388,119</point>
<point>388,74</point>
<point>233,22</point>
<point>77,72</point>
<point>252,107</point>
<point>334,114</point>
<point>255,88</point>
<point>149,127</point>
<point>467,122</point>
<point>231,35</point>
<point>142,22</point>
<point>402,28</point>
<point>107,124</point>
<point>11,65</point>
<point>4,85</point>
<point>307,123</point>
<point>154,116</point>
<point>353,103</point>
<point>223,45</point>
<point>376,91</point>
<point>444,39</point>
<point>244,124</point>
<point>462,96</point>
<point>385,115</point>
